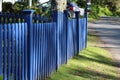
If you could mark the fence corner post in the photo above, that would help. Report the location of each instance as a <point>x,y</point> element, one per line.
<point>77,15</point>
<point>66,29</point>
<point>58,18</point>
<point>27,14</point>
<point>86,20</point>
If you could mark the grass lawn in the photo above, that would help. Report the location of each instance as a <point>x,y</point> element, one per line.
<point>1,77</point>
<point>93,63</point>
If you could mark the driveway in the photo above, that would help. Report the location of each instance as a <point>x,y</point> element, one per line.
<point>108,28</point>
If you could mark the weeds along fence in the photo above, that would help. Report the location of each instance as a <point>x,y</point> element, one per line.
<point>32,47</point>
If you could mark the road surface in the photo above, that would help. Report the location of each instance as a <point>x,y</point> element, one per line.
<point>108,29</point>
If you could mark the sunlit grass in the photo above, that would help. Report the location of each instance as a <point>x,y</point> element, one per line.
<point>93,63</point>
<point>1,77</point>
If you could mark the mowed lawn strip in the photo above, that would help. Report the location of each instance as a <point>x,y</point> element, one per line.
<point>93,63</point>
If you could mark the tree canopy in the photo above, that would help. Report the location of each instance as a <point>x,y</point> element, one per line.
<point>102,7</point>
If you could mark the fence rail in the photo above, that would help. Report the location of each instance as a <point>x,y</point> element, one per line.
<point>32,47</point>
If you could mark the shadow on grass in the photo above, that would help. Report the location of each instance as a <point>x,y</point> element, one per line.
<point>84,67</point>
<point>96,58</point>
<point>91,74</point>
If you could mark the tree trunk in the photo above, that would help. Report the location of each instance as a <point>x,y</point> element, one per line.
<point>0,5</point>
<point>30,3</point>
<point>59,5</point>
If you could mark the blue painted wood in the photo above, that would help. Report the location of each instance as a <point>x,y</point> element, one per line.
<point>13,51</point>
<point>77,27</point>
<point>37,50</point>
<point>19,51</point>
<point>26,52</point>
<point>16,51</point>
<point>42,53</point>
<point>1,38</point>
<point>40,45</point>
<point>28,19</point>
<point>1,56</point>
<point>9,51</point>
<point>86,30</point>
<point>38,60</point>
<point>66,29</point>
<point>23,52</point>
<point>34,49</point>
<point>5,53</point>
<point>80,35</point>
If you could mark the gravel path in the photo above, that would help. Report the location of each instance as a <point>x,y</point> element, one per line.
<point>108,28</point>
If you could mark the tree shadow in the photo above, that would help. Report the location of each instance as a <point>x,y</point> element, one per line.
<point>97,58</point>
<point>91,74</point>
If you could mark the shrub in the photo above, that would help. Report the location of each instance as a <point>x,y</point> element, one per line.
<point>104,11</point>
<point>7,7</point>
<point>19,6</point>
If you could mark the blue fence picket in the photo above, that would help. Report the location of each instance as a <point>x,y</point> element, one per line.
<point>32,47</point>
<point>85,26</point>
<point>80,35</point>
<point>13,51</point>
<point>19,51</point>
<point>25,52</point>
<point>1,52</point>
<point>5,53</point>
<point>16,51</point>
<point>22,51</point>
<point>9,51</point>
<point>70,40</point>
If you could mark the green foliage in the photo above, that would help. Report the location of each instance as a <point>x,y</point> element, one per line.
<point>19,6</point>
<point>1,77</point>
<point>104,11</point>
<point>7,7</point>
<point>94,12</point>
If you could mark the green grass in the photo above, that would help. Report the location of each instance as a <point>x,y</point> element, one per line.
<point>1,77</point>
<point>91,19</point>
<point>93,63</point>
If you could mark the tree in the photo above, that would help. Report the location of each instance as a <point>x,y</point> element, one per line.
<point>0,5</point>
<point>59,5</point>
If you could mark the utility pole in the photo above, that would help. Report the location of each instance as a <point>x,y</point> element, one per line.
<point>0,5</point>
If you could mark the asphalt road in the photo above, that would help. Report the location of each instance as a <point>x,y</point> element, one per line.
<point>108,29</point>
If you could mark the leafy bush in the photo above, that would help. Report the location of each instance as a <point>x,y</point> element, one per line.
<point>19,6</point>
<point>104,11</point>
<point>94,12</point>
<point>7,7</point>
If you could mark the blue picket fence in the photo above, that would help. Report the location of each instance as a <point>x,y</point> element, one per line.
<point>32,47</point>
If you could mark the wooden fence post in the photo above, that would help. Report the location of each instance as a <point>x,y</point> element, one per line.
<point>86,20</point>
<point>77,15</point>
<point>66,29</point>
<point>28,18</point>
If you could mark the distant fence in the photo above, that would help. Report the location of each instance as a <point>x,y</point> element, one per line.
<point>32,47</point>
